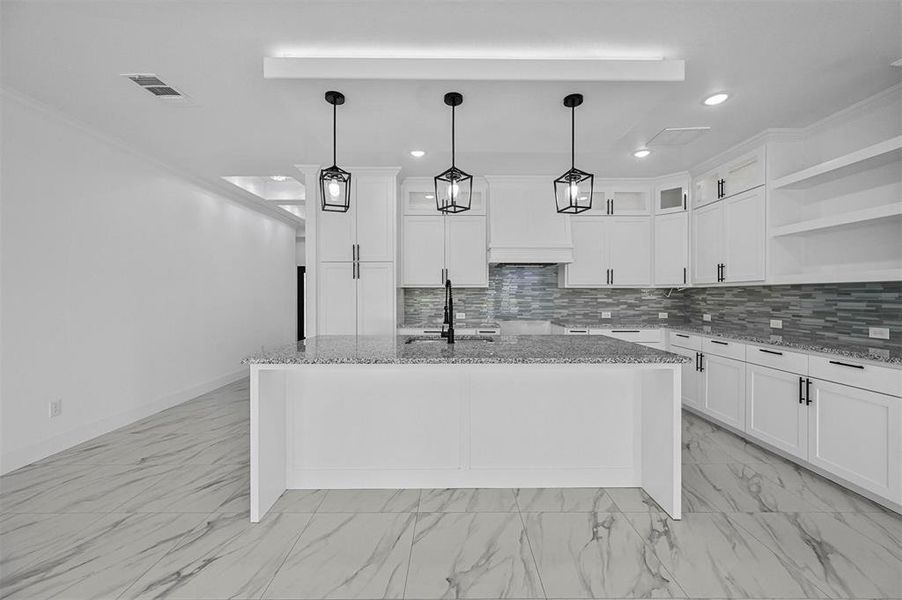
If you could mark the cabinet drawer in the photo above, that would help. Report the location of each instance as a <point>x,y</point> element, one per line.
<point>419,330</point>
<point>777,358</point>
<point>639,336</point>
<point>724,348</point>
<point>685,340</point>
<point>852,372</point>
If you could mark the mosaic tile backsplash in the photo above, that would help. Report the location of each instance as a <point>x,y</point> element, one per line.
<point>823,312</point>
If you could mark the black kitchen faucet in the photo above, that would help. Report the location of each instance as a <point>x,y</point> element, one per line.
<point>449,314</point>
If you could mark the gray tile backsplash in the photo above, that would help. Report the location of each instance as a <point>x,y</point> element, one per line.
<point>831,313</point>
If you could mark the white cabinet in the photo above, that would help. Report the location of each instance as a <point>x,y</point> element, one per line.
<point>610,252</point>
<point>692,378</point>
<point>465,250</point>
<point>734,177</point>
<point>423,255</point>
<point>724,389</point>
<point>776,412</point>
<point>728,240</point>
<point>671,195</point>
<point>621,198</point>
<point>857,435</point>
<point>671,249</point>
<point>438,246</point>
<point>418,197</point>
<point>355,264</point>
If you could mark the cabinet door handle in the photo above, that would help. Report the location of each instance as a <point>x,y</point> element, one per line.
<point>701,361</point>
<point>685,196</point>
<point>807,392</point>
<point>770,351</point>
<point>684,275</point>
<point>358,252</point>
<point>682,336</point>
<point>612,276</point>
<point>696,361</point>
<point>842,364</point>
<point>801,388</point>
<point>612,206</point>
<point>719,342</point>
<point>723,271</point>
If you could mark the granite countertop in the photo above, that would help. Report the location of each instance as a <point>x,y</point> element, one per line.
<point>524,349</point>
<point>878,351</point>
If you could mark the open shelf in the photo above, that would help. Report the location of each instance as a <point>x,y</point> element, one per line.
<point>839,220</point>
<point>865,158</point>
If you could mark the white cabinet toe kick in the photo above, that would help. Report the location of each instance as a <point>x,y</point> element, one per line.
<point>465,425</point>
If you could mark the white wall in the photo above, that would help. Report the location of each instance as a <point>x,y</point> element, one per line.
<point>125,288</point>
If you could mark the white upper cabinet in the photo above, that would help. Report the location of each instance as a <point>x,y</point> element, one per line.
<point>621,198</point>
<point>672,195</point>
<point>728,240</point>
<point>629,249</point>
<point>418,197</point>
<point>609,252</point>
<point>423,254</point>
<point>731,178</point>
<point>466,262</point>
<point>671,247</point>
<point>369,223</point>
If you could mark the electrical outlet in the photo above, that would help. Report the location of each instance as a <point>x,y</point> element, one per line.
<point>460,315</point>
<point>606,315</point>
<point>776,323</point>
<point>706,317</point>
<point>880,333</point>
<point>662,315</point>
<point>56,407</point>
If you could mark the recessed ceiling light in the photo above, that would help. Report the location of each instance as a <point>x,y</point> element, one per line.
<point>641,152</point>
<point>716,99</point>
<point>278,177</point>
<point>417,153</point>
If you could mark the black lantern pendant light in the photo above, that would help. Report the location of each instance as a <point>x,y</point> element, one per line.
<point>573,189</point>
<point>453,187</point>
<point>335,182</point>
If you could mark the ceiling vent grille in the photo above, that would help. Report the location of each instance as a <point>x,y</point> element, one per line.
<point>677,136</point>
<point>157,87</point>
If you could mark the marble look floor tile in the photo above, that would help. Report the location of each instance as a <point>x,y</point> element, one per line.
<point>73,488</point>
<point>595,555</point>
<point>884,528</point>
<point>471,555</point>
<point>370,501</point>
<point>564,500</point>
<point>299,501</point>
<point>24,538</point>
<point>710,556</point>
<point>703,449</point>
<point>741,449</point>
<point>225,557</point>
<point>348,556</point>
<point>633,500</point>
<point>171,448</point>
<point>839,559</point>
<point>195,489</point>
<point>101,560</point>
<point>735,487</point>
<point>693,426</point>
<point>468,500</point>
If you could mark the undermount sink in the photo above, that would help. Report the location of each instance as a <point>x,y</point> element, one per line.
<point>457,340</point>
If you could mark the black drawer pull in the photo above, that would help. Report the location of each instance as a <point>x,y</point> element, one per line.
<point>842,364</point>
<point>721,343</point>
<point>681,335</point>
<point>485,331</point>
<point>770,351</point>
<point>579,331</point>
<point>624,331</point>
<point>432,331</point>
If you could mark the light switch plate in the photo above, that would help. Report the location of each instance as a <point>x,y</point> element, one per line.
<point>460,315</point>
<point>880,333</point>
<point>606,315</point>
<point>706,317</point>
<point>776,323</point>
<point>662,315</point>
<point>56,408</point>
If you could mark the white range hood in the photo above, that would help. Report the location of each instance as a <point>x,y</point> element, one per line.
<point>524,226</point>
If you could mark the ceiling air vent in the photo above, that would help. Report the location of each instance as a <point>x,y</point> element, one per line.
<point>156,86</point>
<point>677,136</point>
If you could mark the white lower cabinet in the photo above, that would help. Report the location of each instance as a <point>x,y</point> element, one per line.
<point>776,412</point>
<point>692,378</point>
<point>857,435</point>
<point>375,299</point>
<point>724,393</point>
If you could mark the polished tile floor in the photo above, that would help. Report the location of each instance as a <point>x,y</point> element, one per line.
<point>159,510</point>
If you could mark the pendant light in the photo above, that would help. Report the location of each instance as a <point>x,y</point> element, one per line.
<point>453,187</point>
<point>335,182</point>
<point>573,189</point>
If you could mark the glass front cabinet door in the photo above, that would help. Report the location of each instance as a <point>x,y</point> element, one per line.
<point>672,195</point>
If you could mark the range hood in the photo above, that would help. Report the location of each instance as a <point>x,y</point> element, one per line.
<point>524,226</point>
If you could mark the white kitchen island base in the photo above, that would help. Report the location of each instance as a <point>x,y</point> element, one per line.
<point>339,426</point>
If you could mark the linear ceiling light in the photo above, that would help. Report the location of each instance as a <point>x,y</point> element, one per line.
<point>473,69</point>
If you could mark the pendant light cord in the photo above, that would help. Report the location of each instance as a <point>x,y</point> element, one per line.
<point>453,109</point>
<point>572,137</point>
<point>334,137</point>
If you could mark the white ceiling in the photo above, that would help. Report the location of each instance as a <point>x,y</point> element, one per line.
<point>786,64</point>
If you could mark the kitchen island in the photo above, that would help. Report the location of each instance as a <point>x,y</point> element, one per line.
<point>507,411</point>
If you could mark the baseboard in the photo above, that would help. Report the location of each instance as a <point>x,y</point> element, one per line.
<point>14,459</point>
